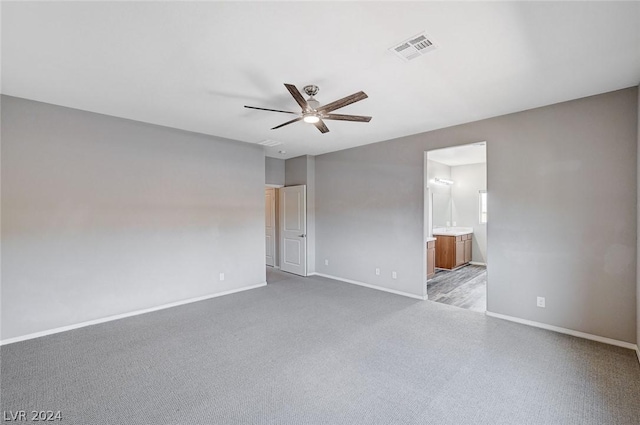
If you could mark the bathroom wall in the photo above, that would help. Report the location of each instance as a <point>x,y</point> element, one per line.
<point>468,181</point>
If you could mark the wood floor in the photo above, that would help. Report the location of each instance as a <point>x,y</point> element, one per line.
<point>465,287</point>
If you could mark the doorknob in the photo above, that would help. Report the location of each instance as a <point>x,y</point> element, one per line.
<point>302,236</point>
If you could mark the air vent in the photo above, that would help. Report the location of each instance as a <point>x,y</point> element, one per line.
<point>414,47</point>
<point>269,143</point>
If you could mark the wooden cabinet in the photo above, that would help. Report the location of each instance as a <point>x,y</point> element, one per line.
<point>459,251</point>
<point>453,251</point>
<point>431,259</point>
<point>467,249</point>
<point>445,252</point>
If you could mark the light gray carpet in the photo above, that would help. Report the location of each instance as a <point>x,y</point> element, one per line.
<point>316,351</point>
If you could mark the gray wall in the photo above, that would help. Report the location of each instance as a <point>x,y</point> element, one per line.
<point>562,226</point>
<point>295,171</point>
<point>369,214</point>
<point>103,216</point>
<point>468,181</point>
<point>311,214</point>
<point>274,171</point>
<point>301,171</point>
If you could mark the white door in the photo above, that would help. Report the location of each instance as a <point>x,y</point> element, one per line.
<point>293,229</point>
<point>270,226</point>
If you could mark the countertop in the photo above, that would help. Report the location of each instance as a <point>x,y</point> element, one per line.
<point>452,231</point>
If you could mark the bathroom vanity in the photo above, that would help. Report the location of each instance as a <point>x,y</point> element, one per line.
<point>452,247</point>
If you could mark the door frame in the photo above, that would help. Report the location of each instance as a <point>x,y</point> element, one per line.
<point>427,223</point>
<point>271,223</point>
<point>277,223</point>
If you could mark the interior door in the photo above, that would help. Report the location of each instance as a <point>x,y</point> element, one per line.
<point>293,229</point>
<point>270,226</point>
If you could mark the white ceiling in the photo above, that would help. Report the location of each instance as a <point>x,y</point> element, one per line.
<point>194,65</point>
<point>474,153</point>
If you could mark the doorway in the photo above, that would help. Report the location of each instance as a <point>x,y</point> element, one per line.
<point>286,228</point>
<point>455,231</point>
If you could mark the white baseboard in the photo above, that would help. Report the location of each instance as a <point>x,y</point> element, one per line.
<point>123,315</point>
<point>579,334</point>
<point>368,285</point>
<point>477,263</point>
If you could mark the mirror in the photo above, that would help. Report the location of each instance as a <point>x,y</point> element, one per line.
<point>441,201</point>
<point>441,204</point>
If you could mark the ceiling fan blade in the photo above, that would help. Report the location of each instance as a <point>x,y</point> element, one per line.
<point>272,110</point>
<point>297,96</point>
<point>287,123</point>
<point>356,118</point>
<point>343,102</point>
<point>321,126</point>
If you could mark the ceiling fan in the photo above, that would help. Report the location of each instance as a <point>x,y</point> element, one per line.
<point>313,113</point>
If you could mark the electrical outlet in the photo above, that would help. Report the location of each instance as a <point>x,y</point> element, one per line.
<point>221,276</point>
<point>377,272</point>
<point>326,262</point>
<point>394,275</point>
<point>541,302</point>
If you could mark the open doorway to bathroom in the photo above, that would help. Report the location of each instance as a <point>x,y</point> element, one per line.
<point>456,214</point>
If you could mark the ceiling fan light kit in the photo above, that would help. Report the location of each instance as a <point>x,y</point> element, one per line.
<point>313,113</point>
<point>311,118</point>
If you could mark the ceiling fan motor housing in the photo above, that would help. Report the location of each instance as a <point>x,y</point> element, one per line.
<point>313,104</point>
